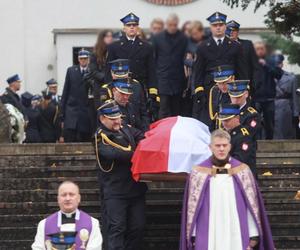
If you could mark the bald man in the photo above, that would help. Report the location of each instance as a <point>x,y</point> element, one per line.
<point>69,228</point>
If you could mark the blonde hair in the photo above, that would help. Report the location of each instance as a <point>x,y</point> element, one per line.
<point>197,25</point>
<point>220,133</point>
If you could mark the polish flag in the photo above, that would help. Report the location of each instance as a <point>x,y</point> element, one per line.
<point>172,145</point>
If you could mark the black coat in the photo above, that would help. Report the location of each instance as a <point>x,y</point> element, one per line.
<point>32,129</point>
<point>75,109</point>
<point>266,89</point>
<point>9,97</point>
<point>48,124</point>
<point>141,60</point>
<point>169,51</point>
<point>251,63</point>
<point>118,183</point>
<point>243,147</point>
<point>209,56</point>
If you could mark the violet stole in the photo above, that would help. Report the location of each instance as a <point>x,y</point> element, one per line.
<point>84,222</point>
<point>199,214</point>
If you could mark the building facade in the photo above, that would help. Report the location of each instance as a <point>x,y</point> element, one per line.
<point>38,37</point>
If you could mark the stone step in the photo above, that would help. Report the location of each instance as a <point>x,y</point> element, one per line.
<point>278,168</point>
<point>279,181</point>
<point>278,146</point>
<point>39,195</point>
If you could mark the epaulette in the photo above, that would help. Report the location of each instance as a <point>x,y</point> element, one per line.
<point>105,85</point>
<point>252,110</point>
<point>245,131</point>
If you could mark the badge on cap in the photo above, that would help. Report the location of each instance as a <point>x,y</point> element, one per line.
<point>245,146</point>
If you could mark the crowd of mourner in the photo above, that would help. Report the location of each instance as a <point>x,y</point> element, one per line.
<point>130,80</point>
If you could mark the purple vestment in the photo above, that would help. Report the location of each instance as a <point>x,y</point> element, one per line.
<point>83,222</point>
<point>196,208</point>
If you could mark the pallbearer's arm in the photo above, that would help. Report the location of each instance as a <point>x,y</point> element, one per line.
<point>39,240</point>
<point>95,241</point>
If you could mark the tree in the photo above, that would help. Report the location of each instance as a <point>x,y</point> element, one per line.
<point>284,18</point>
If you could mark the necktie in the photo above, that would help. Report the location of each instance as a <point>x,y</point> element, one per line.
<point>219,42</point>
<point>83,72</point>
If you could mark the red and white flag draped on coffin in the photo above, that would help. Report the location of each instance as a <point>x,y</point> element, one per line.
<point>172,145</point>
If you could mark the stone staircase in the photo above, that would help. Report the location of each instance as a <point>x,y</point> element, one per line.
<point>30,174</point>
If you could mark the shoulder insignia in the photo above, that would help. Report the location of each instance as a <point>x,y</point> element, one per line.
<point>252,110</point>
<point>245,131</point>
<point>245,146</point>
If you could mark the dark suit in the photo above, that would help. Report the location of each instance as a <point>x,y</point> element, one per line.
<point>141,60</point>
<point>75,109</point>
<point>209,56</point>
<point>10,97</point>
<point>123,197</point>
<point>169,51</point>
<point>32,129</point>
<point>252,64</point>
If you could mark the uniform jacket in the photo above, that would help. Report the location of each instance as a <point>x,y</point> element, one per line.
<point>251,63</point>
<point>141,60</point>
<point>75,111</point>
<point>209,55</point>
<point>114,151</point>
<point>243,147</point>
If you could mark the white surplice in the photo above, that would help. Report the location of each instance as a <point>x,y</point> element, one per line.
<point>224,224</point>
<point>94,243</point>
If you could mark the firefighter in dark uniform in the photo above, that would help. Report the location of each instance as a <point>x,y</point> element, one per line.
<point>216,50</point>
<point>121,92</point>
<point>218,94</point>
<point>141,60</point>
<point>239,91</point>
<point>251,60</point>
<point>10,95</point>
<point>123,197</point>
<point>135,106</point>
<point>242,144</point>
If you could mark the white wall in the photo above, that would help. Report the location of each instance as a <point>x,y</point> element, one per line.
<point>26,26</point>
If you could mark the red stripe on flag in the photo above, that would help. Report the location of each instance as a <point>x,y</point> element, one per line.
<point>152,153</point>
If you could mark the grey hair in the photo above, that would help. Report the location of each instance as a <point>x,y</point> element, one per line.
<point>173,17</point>
<point>220,133</point>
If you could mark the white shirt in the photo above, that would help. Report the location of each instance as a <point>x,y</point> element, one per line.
<point>216,39</point>
<point>130,39</point>
<point>94,243</point>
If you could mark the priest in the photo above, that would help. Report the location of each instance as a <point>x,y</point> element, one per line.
<point>223,208</point>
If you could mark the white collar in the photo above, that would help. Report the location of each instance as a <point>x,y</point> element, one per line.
<point>216,39</point>
<point>83,68</point>
<point>130,39</point>
<point>59,219</point>
<point>241,107</point>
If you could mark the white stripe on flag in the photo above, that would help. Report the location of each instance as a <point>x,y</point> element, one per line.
<point>189,142</point>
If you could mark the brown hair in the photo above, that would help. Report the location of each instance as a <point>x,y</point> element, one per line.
<point>197,25</point>
<point>100,48</point>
